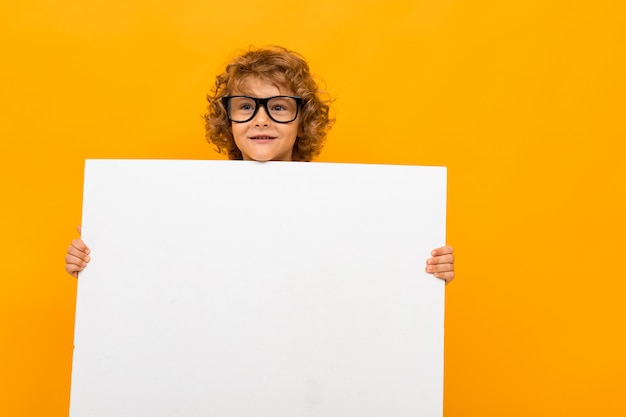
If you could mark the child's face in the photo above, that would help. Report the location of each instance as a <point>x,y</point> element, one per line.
<point>262,139</point>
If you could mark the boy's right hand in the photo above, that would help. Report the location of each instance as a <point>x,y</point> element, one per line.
<point>77,257</point>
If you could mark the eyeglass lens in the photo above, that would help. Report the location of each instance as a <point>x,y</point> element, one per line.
<point>281,109</point>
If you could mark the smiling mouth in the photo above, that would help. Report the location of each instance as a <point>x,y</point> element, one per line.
<point>262,137</point>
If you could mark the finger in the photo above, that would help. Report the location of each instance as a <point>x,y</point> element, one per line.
<point>446,276</point>
<point>444,250</point>
<point>77,256</point>
<point>74,253</point>
<point>440,268</point>
<point>441,259</point>
<point>79,228</point>
<point>73,269</point>
<point>79,245</point>
<point>76,260</point>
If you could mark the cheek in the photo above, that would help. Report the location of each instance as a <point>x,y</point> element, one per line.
<point>298,130</point>
<point>236,131</point>
<point>292,134</point>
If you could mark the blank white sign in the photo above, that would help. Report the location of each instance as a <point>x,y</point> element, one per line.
<point>280,289</point>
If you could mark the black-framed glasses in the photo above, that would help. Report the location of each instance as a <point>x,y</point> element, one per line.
<point>281,109</point>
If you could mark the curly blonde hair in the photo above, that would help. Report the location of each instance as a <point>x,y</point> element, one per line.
<point>280,67</point>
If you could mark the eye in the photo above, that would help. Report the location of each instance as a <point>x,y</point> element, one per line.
<point>243,104</point>
<point>281,105</point>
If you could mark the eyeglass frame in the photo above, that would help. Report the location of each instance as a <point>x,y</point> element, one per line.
<point>258,103</point>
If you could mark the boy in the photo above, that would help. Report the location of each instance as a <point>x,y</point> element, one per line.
<point>266,106</point>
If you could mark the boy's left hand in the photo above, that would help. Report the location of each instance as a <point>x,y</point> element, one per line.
<point>441,265</point>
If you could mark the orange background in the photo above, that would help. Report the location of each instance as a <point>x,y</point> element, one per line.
<point>524,101</point>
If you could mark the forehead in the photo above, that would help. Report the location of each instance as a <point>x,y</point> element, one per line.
<point>260,87</point>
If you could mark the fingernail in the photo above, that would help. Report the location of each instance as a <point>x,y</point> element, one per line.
<point>87,259</point>
<point>429,261</point>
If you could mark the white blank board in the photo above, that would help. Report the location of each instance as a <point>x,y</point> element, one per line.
<point>280,289</point>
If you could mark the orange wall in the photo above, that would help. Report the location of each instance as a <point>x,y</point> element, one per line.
<point>523,100</point>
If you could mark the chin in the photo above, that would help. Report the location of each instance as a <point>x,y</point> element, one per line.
<point>266,156</point>
<point>258,157</point>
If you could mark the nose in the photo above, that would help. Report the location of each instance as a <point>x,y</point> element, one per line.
<point>261,118</point>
